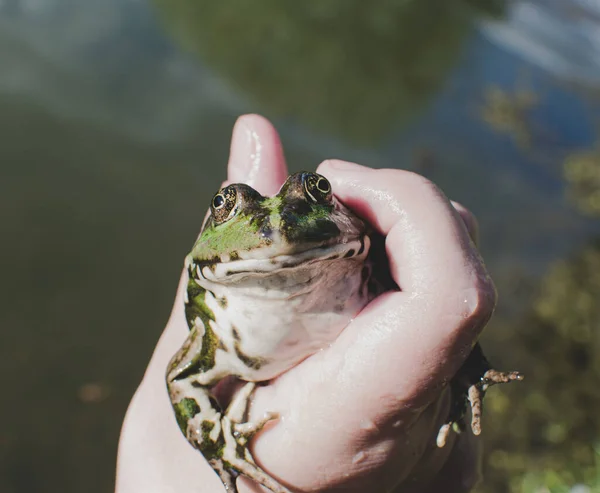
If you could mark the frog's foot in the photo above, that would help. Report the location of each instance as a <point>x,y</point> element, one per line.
<point>225,444</point>
<point>236,458</point>
<point>474,393</point>
<point>477,391</point>
<point>236,412</point>
<point>224,438</point>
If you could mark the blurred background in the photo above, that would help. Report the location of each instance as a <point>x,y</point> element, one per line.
<point>115,119</point>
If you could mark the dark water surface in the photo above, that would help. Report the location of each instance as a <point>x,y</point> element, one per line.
<point>115,119</point>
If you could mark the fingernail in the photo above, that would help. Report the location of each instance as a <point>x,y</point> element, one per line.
<point>244,152</point>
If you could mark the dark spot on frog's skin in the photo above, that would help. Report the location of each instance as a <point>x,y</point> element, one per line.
<point>319,230</point>
<point>294,207</point>
<point>236,334</point>
<point>240,450</point>
<point>185,409</point>
<point>222,302</point>
<point>362,245</point>
<point>257,213</point>
<point>207,426</point>
<point>294,211</point>
<point>199,263</point>
<point>195,309</point>
<point>374,287</point>
<point>266,231</point>
<point>196,305</point>
<point>208,446</point>
<point>193,289</point>
<point>339,308</point>
<point>250,361</point>
<point>349,253</point>
<point>222,346</point>
<point>214,403</point>
<point>365,281</point>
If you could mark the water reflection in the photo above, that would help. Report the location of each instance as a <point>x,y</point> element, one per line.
<point>105,62</point>
<point>582,172</point>
<point>559,36</point>
<point>115,118</point>
<point>509,112</point>
<point>343,66</point>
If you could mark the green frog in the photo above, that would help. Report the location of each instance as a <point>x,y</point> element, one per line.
<point>271,281</point>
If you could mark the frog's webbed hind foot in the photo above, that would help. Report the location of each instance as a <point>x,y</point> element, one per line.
<point>470,384</point>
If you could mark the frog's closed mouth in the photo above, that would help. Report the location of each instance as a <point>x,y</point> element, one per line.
<point>233,270</point>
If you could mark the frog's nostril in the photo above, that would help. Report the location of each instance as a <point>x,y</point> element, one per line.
<point>266,232</point>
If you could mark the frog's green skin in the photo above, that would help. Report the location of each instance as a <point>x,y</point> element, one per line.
<point>271,281</point>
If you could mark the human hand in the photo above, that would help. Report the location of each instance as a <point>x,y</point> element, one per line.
<point>362,414</point>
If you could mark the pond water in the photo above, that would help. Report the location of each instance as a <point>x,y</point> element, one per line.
<point>115,119</point>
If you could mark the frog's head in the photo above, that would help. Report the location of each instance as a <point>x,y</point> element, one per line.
<point>303,222</point>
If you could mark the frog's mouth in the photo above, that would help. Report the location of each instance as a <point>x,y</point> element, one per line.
<point>356,248</point>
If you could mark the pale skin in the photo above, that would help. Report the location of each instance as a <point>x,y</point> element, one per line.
<point>362,414</point>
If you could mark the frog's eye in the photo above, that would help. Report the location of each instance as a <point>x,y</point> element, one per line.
<point>318,188</point>
<point>223,205</point>
<point>218,201</point>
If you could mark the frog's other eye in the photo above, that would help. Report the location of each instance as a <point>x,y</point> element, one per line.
<point>317,188</point>
<point>223,205</point>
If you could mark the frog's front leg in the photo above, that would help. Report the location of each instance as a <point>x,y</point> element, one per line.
<point>222,438</point>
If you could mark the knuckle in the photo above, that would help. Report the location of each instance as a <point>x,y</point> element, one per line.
<point>479,300</point>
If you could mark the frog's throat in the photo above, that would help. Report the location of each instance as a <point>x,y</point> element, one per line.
<point>232,271</point>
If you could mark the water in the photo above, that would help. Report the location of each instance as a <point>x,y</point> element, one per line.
<point>115,117</point>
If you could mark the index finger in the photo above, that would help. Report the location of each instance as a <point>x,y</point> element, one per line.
<point>256,156</point>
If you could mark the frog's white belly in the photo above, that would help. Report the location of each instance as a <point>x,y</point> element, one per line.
<point>270,322</point>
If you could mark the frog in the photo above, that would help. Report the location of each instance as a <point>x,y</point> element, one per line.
<point>271,281</point>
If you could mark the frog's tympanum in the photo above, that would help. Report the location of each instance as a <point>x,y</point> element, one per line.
<point>271,281</point>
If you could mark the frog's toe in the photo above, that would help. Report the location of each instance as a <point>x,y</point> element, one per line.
<point>243,432</point>
<point>457,427</point>
<point>226,476</point>
<point>443,434</point>
<point>492,377</point>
